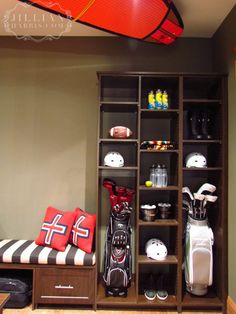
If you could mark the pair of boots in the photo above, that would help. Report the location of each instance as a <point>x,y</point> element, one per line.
<point>155,287</point>
<point>200,124</point>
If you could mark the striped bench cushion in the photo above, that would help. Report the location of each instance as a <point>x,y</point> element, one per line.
<point>27,252</point>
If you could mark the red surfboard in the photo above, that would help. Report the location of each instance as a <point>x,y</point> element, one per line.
<point>149,20</point>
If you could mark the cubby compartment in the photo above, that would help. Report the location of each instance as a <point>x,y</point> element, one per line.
<point>169,159</point>
<point>119,88</point>
<point>194,179</point>
<point>26,275</point>
<point>167,234</point>
<point>200,87</point>
<point>115,114</point>
<point>155,197</point>
<point>211,151</point>
<point>158,277</point>
<point>127,150</point>
<point>159,125</point>
<point>195,112</point>
<point>168,84</point>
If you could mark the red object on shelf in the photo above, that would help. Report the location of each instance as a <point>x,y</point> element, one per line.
<point>149,20</point>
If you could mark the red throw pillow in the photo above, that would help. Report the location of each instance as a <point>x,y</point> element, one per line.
<point>56,229</point>
<point>83,230</point>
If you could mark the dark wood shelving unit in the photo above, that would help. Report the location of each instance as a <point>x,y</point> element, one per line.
<point>123,99</point>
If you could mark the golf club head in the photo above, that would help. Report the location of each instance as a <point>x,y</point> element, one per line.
<point>206,188</point>
<point>211,198</point>
<point>186,190</point>
<point>199,197</point>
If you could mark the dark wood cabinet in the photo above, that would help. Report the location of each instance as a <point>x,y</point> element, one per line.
<point>67,286</point>
<point>123,100</point>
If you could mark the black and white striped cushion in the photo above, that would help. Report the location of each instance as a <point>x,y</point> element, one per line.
<point>27,252</point>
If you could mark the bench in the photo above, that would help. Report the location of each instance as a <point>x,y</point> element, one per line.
<point>58,277</point>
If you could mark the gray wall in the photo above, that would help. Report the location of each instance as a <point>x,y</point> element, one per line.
<point>48,118</point>
<point>224,60</point>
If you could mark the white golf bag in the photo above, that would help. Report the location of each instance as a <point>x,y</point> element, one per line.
<point>199,239</point>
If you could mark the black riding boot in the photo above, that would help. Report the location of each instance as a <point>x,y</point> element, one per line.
<point>206,124</point>
<point>195,124</point>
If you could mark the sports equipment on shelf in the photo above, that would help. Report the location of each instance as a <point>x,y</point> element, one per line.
<point>120,132</point>
<point>195,160</point>
<point>156,249</point>
<point>114,159</point>
<point>198,256</point>
<point>199,239</point>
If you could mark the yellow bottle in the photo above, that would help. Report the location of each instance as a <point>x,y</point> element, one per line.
<point>151,100</point>
<point>165,104</point>
<point>158,99</point>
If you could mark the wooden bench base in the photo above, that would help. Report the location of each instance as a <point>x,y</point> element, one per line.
<point>59,284</point>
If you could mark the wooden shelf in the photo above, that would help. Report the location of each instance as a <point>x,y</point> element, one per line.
<point>102,299</point>
<point>171,301</point>
<point>208,301</point>
<point>170,259</point>
<point>202,142</point>
<point>199,101</point>
<point>153,151</point>
<point>168,188</point>
<point>163,113</point>
<point>115,140</point>
<point>123,103</point>
<point>117,168</point>
<point>159,222</point>
<point>203,169</point>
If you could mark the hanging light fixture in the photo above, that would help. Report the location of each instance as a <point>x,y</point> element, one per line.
<point>155,21</point>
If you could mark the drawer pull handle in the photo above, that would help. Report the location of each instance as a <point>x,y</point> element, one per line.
<point>63,287</point>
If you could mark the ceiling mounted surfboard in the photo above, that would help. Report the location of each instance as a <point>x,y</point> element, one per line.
<point>155,21</point>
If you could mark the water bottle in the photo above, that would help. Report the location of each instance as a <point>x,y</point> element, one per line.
<point>158,179</point>
<point>152,175</point>
<point>164,179</point>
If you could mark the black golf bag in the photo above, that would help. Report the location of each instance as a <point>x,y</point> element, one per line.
<point>117,253</point>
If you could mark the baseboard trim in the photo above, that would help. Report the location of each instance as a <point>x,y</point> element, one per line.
<point>231,306</point>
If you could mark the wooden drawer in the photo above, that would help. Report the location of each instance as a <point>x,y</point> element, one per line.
<point>64,286</point>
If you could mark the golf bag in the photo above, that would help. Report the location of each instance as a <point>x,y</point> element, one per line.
<point>117,253</point>
<point>199,240</point>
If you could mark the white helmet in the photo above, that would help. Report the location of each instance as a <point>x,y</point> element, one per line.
<point>113,159</point>
<point>195,160</point>
<point>156,249</point>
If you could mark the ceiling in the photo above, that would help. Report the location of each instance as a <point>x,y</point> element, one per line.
<point>201,19</point>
